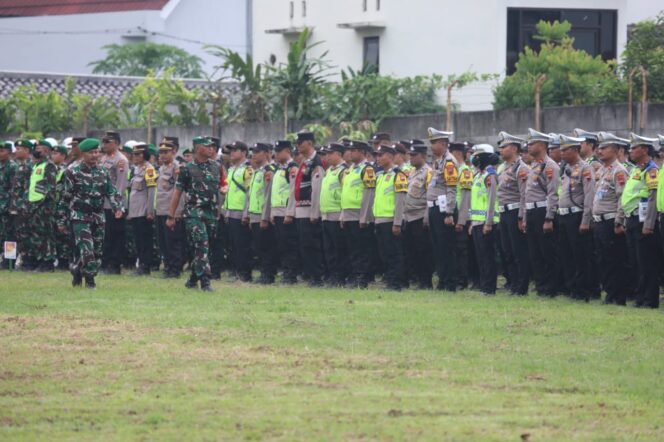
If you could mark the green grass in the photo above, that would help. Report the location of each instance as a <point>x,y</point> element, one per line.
<point>143,358</point>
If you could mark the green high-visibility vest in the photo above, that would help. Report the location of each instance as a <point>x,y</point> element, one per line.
<point>352,188</point>
<point>479,199</point>
<point>384,200</point>
<point>37,176</point>
<point>257,192</point>
<point>660,193</point>
<point>330,192</point>
<point>280,188</point>
<point>236,195</point>
<point>635,191</point>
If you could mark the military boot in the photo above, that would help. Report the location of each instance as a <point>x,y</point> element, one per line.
<point>205,284</point>
<point>192,282</point>
<point>90,282</point>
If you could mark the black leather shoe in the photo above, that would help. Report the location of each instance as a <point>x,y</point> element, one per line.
<point>192,282</point>
<point>205,284</point>
<point>77,278</point>
<point>90,283</point>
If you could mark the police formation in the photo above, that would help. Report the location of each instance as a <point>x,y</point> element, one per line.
<point>573,215</point>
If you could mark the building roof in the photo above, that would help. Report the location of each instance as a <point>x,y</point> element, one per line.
<point>28,8</point>
<point>95,86</point>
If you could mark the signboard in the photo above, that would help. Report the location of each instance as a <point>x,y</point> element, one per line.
<point>10,249</point>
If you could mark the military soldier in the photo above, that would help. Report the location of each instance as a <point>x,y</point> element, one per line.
<point>239,179</point>
<point>199,180</point>
<point>7,175</point>
<point>464,186</point>
<point>357,193</point>
<point>418,246</point>
<point>41,199</point>
<point>265,242</point>
<point>484,215</point>
<point>442,214</point>
<point>608,217</point>
<point>639,203</point>
<point>87,187</point>
<point>574,217</point>
<point>541,205</point>
<point>171,241</point>
<point>62,240</point>
<point>114,236</point>
<point>19,200</point>
<point>304,207</point>
<point>334,241</point>
<point>275,210</point>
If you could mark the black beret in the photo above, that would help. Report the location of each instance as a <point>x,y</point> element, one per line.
<point>216,142</point>
<point>461,147</point>
<point>401,148</point>
<point>380,136</point>
<point>305,136</point>
<point>237,145</point>
<point>282,144</point>
<point>406,143</point>
<point>77,139</point>
<point>261,147</point>
<point>385,148</point>
<point>111,136</point>
<point>359,145</point>
<point>418,148</point>
<point>336,147</point>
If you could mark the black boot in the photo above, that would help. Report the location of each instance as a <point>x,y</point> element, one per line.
<point>205,284</point>
<point>90,282</point>
<point>192,282</point>
<point>77,278</point>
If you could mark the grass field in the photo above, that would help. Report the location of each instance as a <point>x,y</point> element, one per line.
<point>143,358</point>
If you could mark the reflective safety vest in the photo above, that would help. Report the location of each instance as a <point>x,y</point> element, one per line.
<point>280,187</point>
<point>330,193</point>
<point>636,190</point>
<point>384,200</point>
<point>257,190</point>
<point>38,171</point>
<point>464,181</point>
<point>352,188</point>
<point>479,197</point>
<point>237,193</point>
<point>660,193</point>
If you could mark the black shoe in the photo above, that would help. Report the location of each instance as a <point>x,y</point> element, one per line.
<point>265,280</point>
<point>244,278</point>
<point>77,278</point>
<point>192,282</point>
<point>205,284</point>
<point>45,267</point>
<point>90,282</point>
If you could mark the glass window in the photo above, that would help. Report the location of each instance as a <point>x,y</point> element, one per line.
<point>372,52</point>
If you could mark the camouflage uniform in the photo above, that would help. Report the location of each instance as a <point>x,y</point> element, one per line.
<point>41,244</point>
<point>200,183</point>
<point>19,206</point>
<point>7,175</point>
<point>85,189</point>
<point>62,240</point>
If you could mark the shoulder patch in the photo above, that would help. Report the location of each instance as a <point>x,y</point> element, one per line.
<point>122,164</point>
<point>548,172</point>
<point>429,176</point>
<point>466,179</point>
<point>369,177</point>
<point>401,183</point>
<point>586,174</point>
<point>488,181</point>
<point>150,177</point>
<point>450,174</point>
<point>652,179</point>
<point>620,178</point>
<point>523,174</point>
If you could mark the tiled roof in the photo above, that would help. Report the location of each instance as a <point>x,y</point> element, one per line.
<point>111,87</point>
<point>27,8</point>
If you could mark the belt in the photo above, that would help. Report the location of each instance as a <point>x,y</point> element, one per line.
<point>569,210</point>
<point>508,207</point>
<point>433,203</point>
<point>605,217</point>
<point>536,205</point>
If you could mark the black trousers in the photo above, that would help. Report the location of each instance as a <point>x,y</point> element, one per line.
<point>358,242</point>
<point>114,241</point>
<point>143,236</point>
<point>265,244</point>
<point>171,245</point>
<point>543,253</point>
<point>576,256</point>
<point>418,252</point>
<point>485,251</point>
<point>240,237</point>
<point>648,262</point>
<point>286,235</point>
<point>462,242</point>
<point>335,252</point>
<point>310,240</point>
<point>443,242</point>
<point>515,245</point>
<point>612,257</point>
<point>391,253</point>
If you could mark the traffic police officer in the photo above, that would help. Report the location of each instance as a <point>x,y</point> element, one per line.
<point>171,241</point>
<point>114,236</point>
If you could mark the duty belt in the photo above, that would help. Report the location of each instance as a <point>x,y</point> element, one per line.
<point>604,217</point>
<point>508,207</point>
<point>536,205</point>
<point>569,210</point>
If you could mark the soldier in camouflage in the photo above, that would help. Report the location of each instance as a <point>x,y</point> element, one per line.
<point>7,174</point>
<point>199,181</point>
<point>62,240</point>
<point>19,199</point>
<point>86,187</point>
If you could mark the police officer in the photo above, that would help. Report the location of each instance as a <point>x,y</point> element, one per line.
<point>464,186</point>
<point>442,213</point>
<point>588,146</point>
<point>239,179</point>
<point>574,217</point>
<point>357,193</point>
<point>114,236</point>
<point>275,210</point>
<point>199,180</point>
<point>171,241</point>
<point>512,176</point>
<point>608,217</point>
<point>388,210</point>
<point>265,242</point>
<point>334,241</point>
<point>304,208</point>
<point>87,186</point>
<point>541,205</point>
<point>639,203</point>
<point>416,236</point>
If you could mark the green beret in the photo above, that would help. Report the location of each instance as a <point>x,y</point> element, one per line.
<point>89,144</point>
<point>62,149</point>
<point>7,145</point>
<point>45,142</point>
<point>25,143</point>
<point>153,150</point>
<point>127,149</point>
<point>186,151</point>
<point>205,141</point>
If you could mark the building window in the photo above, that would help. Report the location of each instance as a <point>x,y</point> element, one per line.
<point>292,9</point>
<point>364,5</point>
<point>594,31</point>
<point>304,8</point>
<point>372,52</point>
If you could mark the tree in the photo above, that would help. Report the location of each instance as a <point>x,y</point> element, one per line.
<point>646,48</point>
<point>87,113</point>
<point>37,112</point>
<point>573,77</point>
<point>459,81</point>
<point>139,59</point>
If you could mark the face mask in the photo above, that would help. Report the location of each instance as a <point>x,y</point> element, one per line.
<point>475,160</point>
<point>36,154</point>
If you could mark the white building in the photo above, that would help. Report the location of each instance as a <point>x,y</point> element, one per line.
<point>409,37</point>
<point>64,36</point>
